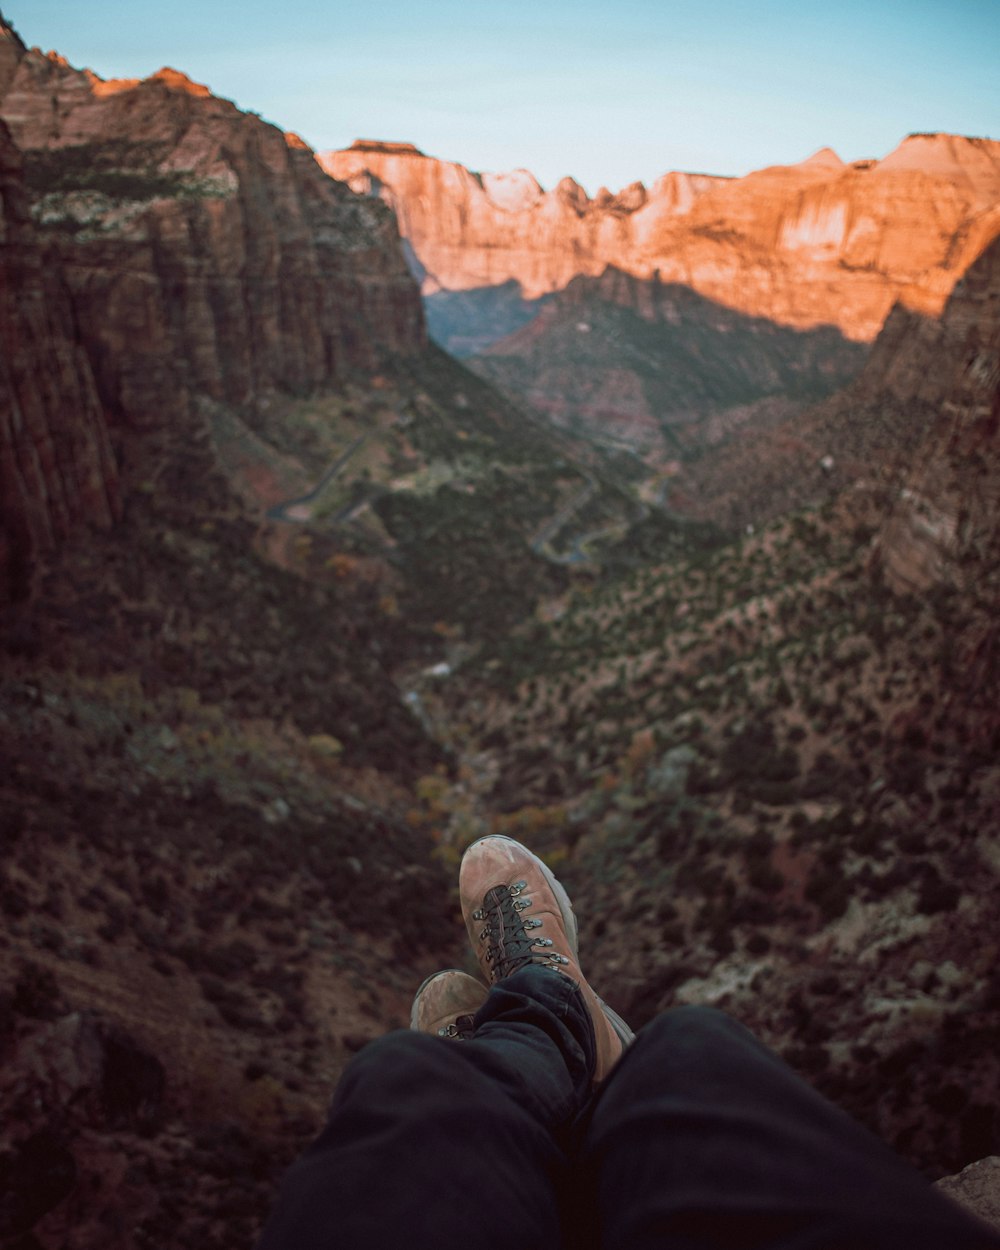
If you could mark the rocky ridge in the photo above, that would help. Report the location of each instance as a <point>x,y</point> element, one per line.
<point>469,230</point>
<point>818,243</point>
<point>658,367</point>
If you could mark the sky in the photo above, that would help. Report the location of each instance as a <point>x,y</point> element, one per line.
<point>607,92</point>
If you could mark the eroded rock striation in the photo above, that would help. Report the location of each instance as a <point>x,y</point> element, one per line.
<point>821,242</point>
<point>57,469</point>
<point>198,236</point>
<point>200,252</point>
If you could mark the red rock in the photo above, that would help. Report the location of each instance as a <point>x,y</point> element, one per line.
<point>56,466</point>
<point>253,272</point>
<point>190,250</point>
<point>816,243</point>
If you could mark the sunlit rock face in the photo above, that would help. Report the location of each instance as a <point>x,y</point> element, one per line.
<point>470,230</point>
<point>804,245</point>
<point>204,250</point>
<point>944,528</point>
<point>56,466</point>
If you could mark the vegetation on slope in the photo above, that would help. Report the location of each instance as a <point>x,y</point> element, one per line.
<point>770,784</point>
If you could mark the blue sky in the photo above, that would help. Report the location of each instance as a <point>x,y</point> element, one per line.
<point>608,92</point>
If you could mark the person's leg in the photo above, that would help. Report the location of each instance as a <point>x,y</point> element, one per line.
<point>702,1137</point>
<point>439,1142</point>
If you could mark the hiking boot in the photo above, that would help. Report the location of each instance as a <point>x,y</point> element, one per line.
<point>446,1002</point>
<point>500,880</point>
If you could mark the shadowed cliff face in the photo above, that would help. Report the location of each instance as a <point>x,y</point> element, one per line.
<point>659,367</point>
<point>811,244</point>
<point>188,250</point>
<point>204,250</point>
<point>944,526</point>
<point>913,440</point>
<point>57,471</point>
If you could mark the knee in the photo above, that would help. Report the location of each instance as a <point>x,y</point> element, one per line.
<point>698,1034</point>
<point>689,1023</point>
<point>402,1055</point>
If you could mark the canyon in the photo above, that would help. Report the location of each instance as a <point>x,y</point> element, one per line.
<point>608,314</point>
<point>294,605</point>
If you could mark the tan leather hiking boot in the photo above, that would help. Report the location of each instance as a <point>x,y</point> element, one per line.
<point>446,1002</point>
<point>500,880</point>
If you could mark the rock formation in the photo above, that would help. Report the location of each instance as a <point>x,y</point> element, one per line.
<point>470,230</point>
<point>977,1188</point>
<point>944,526</point>
<point>56,466</point>
<point>916,432</point>
<point>197,251</point>
<point>811,244</point>
<point>658,367</point>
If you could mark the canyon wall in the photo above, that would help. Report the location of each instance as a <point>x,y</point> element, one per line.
<point>203,248</point>
<point>944,528</point>
<point>818,243</point>
<point>56,465</point>
<point>659,367</point>
<point>197,251</point>
<point>470,230</point>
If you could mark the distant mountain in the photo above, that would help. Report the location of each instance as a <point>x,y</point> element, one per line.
<point>665,318</point>
<point>818,243</point>
<point>659,368</point>
<point>165,248</point>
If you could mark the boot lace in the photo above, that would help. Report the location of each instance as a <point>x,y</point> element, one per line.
<point>508,943</point>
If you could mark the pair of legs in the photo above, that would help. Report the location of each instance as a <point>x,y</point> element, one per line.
<point>696,1137</point>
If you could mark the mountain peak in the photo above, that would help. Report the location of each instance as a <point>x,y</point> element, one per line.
<point>9,34</point>
<point>824,158</point>
<point>387,147</point>
<point>176,80</point>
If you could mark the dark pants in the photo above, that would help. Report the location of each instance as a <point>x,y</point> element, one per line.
<point>700,1137</point>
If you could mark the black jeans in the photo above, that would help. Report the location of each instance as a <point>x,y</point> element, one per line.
<point>700,1137</point>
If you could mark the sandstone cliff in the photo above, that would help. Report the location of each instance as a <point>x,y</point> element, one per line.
<point>204,249</point>
<point>199,251</point>
<point>470,230</point>
<point>945,525</point>
<point>56,466</point>
<point>816,243</point>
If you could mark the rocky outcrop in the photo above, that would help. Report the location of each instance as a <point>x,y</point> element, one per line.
<point>804,245</point>
<point>977,1188</point>
<point>57,470</point>
<point>944,526</point>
